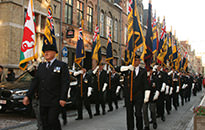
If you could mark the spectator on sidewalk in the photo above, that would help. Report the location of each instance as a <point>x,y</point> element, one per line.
<point>2,75</point>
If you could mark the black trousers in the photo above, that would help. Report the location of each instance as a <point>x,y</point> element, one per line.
<point>99,100</point>
<point>79,104</point>
<point>49,116</point>
<point>134,108</point>
<point>160,104</point>
<point>168,103</point>
<point>182,95</point>
<point>112,97</point>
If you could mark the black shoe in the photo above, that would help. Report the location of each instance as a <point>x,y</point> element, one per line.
<point>64,122</point>
<point>96,114</point>
<point>117,107</point>
<point>163,118</point>
<point>154,125</point>
<point>110,110</point>
<point>150,121</point>
<point>168,112</point>
<point>146,128</point>
<point>79,118</point>
<point>103,113</point>
<point>90,116</point>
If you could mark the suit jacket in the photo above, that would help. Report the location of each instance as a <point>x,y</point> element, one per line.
<point>102,80</point>
<point>153,85</point>
<point>140,84</point>
<point>86,83</point>
<point>51,83</point>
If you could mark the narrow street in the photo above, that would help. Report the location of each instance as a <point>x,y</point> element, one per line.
<point>177,120</point>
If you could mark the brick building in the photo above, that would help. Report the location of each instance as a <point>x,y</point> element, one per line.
<point>110,14</point>
<point>12,18</point>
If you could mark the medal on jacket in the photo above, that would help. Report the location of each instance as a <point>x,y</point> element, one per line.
<point>57,69</point>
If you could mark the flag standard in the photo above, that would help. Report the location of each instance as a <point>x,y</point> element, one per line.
<point>96,49</point>
<point>109,53</point>
<point>135,35</point>
<point>28,46</point>
<point>80,51</point>
<point>148,40</point>
<point>155,35</point>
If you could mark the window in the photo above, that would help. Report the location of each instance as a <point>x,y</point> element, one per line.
<point>80,11</point>
<point>90,18</point>
<point>101,24</point>
<point>125,36</point>
<point>115,31</point>
<point>109,26</point>
<point>69,11</point>
<point>128,6</point>
<point>43,22</point>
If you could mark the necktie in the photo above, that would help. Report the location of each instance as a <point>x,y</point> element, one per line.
<point>48,64</point>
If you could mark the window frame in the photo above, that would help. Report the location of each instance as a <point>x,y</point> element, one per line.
<point>80,11</point>
<point>68,5</point>
<point>90,16</point>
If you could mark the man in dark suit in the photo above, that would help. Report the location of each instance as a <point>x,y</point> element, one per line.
<point>82,94</point>
<point>161,82</point>
<point>99,86</point>
<point>138,93</point>
<point>112,90</point>
<point>52,82</point>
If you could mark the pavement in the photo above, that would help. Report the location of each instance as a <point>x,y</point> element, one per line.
<point>182,119</point>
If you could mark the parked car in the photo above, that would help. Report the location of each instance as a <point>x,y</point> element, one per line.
<point>12,94</point>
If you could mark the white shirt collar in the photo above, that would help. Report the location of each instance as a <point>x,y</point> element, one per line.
<point>51,62</point>
<point>137,70</point>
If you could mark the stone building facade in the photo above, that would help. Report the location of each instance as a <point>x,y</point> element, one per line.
<point>12,18</point>
<point>109,14</point>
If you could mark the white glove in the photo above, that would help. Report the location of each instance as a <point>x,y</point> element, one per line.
<point>171,91</point>
<point>131,67</point>
<point>156,95</point>
<point>167,89</point>
<point>31,67</point>
<point>68,95</point>
<point>89,91</point>
<point>148,73</point>
<point>104,87</point>
<point>163,87</point>
<point>155,67</point>
<point>118,89</point>
<point>146,97</point>
<point>95,70</point>
<point>109,70</point>
<point>170,72</point>
<point>184,86</point>
<point>192,86</point>
<point>124,68</point>
<point>177,89</point>
<point>78,72</point>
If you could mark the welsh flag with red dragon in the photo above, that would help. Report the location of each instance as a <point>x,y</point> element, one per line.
<point>28,46</point>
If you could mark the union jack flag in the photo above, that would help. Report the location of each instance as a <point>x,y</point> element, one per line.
<point>163,30</point>
<point>80,51</point>
<point>109,54</point>
<point>96,49</point>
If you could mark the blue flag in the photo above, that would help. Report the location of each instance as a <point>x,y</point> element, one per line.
<point>80,51</point>
<point>109,54</point>
<point>148,40</point>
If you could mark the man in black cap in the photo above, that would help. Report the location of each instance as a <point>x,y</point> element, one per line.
<point>138,93</point>
<point>52,82</point>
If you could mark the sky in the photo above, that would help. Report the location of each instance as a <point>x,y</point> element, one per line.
<point>186,17</point>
